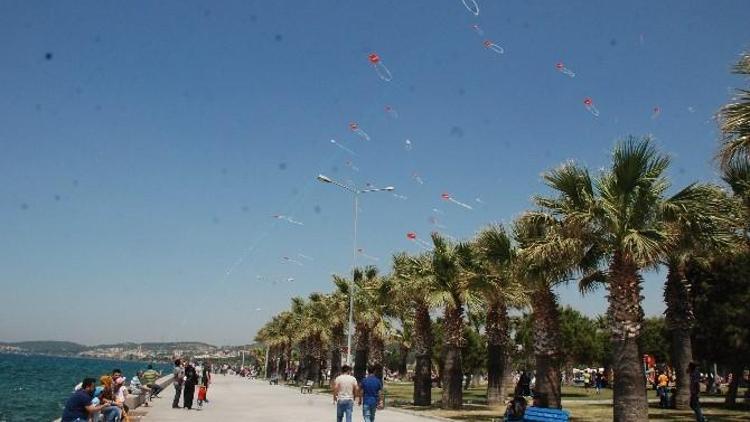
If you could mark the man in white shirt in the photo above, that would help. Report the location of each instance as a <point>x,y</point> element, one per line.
<point>345,389</point>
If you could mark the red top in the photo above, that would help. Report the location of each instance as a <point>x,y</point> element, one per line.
<point>374,58</point>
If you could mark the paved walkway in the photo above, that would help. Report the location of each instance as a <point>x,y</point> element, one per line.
<point>238,399</point>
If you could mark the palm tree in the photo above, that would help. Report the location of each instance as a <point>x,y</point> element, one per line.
<point>616,219</point>
<point>276,335</point>
<point>412,289</point>
<point>298,322</point>
<point>316,330</point>
<point>737,175</point>
<point>541,265</point>
<point>377,310</point>
<point>363,280</point>
<point>449,290</point>
<point>700,221</point>
<point>490,276</point>
<point>735,123</point>
<point>264,336</point>
<point>338,304</point>
<point>403,338</point>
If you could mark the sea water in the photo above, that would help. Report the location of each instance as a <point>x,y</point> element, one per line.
<point>35,388</point>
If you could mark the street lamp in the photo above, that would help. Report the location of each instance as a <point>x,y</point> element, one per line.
<point>356,192</point>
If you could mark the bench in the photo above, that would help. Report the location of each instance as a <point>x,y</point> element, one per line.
<point>543,414</point>
<point>307,387</point>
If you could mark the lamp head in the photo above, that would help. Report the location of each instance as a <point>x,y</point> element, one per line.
<point>324,179</point>
<point>389,188</point>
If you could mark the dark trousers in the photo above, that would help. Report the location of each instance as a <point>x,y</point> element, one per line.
<point>155,390</point>
<point>187,400</point>
<point>696,406</point>
<point>177,393</point>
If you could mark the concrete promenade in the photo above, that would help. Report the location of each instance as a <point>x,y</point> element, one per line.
<point>233,398</point>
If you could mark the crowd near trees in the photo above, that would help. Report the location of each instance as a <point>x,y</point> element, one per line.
<point>488,304</point>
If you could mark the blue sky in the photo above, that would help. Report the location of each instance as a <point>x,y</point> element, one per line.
<point>145,146</point>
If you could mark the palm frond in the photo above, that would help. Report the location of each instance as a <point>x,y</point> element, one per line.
<point>494,244</point>
<point>734,121</point>
<point>635,163</point>
<point>646,247</point>
<point>574,185</point>
<point>591,281</point>
<point>737,176</point>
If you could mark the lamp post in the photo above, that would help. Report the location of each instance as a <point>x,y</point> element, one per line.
<point>356,192</point>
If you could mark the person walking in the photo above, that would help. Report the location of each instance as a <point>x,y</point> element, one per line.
<point>372,394</point>
<point>599,381</point>
<point>191,380</point>
<point>344,390</point>
<point>695,388</point>
<point>523,387</point>
<point>206,379</point>
<point>662,388</point>
<point>178,378</point>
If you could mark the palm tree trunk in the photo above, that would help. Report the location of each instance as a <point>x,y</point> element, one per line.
<point>377,351</point>
<point>337,339</point>
<point>453,371</point>
<point>271,357</point>
<point>304,352</point>
<point>423,350</point>
<point>496,327</point>
<point>546,323</point>
<point>288,359</point>
<point>280,365</point>
<point>737,371</point>
<point>679,320</point>
<point>360,355</point>
<point>403,355</point>
<point>626,317</point>
<point>316,356</point>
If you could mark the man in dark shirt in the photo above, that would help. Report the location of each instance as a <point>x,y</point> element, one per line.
<point>178,378</point>
<point>695,388</point>
<point>372,388</point>
<point>78,407</point>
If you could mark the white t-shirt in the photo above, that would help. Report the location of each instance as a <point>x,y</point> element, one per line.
<point>120,396</point>
<point>346,384</point>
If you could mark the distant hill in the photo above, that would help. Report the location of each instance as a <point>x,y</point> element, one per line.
<point>126,349</point>
<point>49,347</point>
<point>160,345</point>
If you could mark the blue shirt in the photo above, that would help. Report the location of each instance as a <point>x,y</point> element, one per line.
<point>75,407</point>
<point>371,387</point>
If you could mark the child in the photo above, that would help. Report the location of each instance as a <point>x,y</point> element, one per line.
<point>201,395</point>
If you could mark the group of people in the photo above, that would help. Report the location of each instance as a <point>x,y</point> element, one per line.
<point>185,378</point>
<point>106,402</point>
<point>368,393</point>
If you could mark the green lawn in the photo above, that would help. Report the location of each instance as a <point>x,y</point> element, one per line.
<point>399,395</point>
